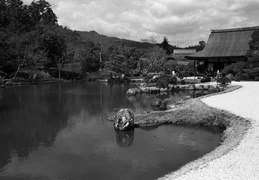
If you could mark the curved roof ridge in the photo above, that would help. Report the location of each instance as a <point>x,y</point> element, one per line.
<point>235,29</point>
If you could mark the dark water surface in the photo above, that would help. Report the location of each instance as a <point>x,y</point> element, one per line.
<point>60,132</point>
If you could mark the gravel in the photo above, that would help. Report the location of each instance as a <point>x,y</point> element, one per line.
<point>240,161</point>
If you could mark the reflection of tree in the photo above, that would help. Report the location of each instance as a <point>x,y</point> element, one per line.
<point>125,138</point>
<point>4,150</point>
<point>31,119</point>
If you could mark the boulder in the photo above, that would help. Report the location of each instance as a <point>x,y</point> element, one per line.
<point>132,91</point>
<point>165,102</point>
<point>198,87</point>
<point>156,103</point>
<point>124,120</point>
<point>206,86</point>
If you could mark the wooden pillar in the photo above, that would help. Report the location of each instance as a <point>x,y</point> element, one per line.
<point>194,67</point>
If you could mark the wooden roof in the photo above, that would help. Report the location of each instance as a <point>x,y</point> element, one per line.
<point>184,51</point>
<point>179,54</point>
<point>226,43</point>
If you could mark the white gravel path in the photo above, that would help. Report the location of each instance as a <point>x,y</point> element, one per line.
<point>243,161</point>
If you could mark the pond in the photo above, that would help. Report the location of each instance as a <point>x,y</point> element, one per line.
<point>60,131</point>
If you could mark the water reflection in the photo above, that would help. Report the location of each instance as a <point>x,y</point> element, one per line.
<point>61,130</point>
<point>124,138</point>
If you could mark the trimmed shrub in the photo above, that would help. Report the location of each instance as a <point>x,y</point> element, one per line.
<point>234,68</point>
<point>241,76</point>
<point>185,74</point>
<point>163,81</point>
<point>205,79</point>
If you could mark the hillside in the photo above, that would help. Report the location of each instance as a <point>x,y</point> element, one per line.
<point>98,38</point>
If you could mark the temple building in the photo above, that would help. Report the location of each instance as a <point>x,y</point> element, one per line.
<point>224,47</point>
<point>180,55</point>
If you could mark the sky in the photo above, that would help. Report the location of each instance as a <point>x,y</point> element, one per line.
<point>183,22</point>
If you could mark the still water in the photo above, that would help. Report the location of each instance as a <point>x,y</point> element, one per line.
<point>60,131</point>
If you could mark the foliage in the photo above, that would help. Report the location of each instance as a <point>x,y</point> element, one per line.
<point>205,79</point>
<point>151,40</point>
<point>31,40</point>
<point>253,52</point>
<point>188,70</point>
<point>28,35</point>
<point>224,80</point>
<point>165,45</point>
<point>89,57</point>
<point>155,58</point>
<point>243,70</point>
<point>171,65</point>
<point>253,73</point>
<point>198,47</point>
<point>234,68</point>
<point>164,80</point>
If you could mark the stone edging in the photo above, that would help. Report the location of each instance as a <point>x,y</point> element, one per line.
<point>189,87</point>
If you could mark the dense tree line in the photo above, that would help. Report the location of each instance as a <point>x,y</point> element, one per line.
<point>31,39</point>
<point>30,36</point>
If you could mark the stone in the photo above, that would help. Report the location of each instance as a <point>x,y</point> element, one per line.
<point>198,87</point>
<point>156,103</point>
<point>164,104</point>
<point>132,91</point>
<point>124,120</point>
<point>191,87</point>
<point>206,86</point>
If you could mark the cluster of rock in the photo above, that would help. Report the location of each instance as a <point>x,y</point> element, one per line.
<point>168,103</point>
<point>146,89</point>
<point>123,120</point>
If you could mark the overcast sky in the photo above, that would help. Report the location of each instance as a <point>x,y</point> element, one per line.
<point>183,22</point>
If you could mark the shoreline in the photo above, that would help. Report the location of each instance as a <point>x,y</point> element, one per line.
<point>236,157</point>
<point>197,112</point>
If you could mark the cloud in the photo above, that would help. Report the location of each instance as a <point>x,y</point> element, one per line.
<point>184,22</point>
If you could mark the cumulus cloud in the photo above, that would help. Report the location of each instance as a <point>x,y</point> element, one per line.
<point>184,22</point>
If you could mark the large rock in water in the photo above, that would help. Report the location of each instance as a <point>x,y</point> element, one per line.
<point>124,120</point>
<point>156,103</point>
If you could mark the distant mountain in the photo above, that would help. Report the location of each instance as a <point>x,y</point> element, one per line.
<point>98,38</point>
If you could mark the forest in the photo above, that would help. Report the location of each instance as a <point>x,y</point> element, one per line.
<point>32,42</point>
<point>33,45</point>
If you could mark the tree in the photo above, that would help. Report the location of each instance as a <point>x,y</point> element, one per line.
<point>155,57</point>
<point>151,40</point>
<point>40,12</point>
<point>14,15</point>
<point>253,52</point>
<point>202,43</point>
<point>89,57</point>
<point>118,64</point>
<point>52,42</point>
<point>165,45</point>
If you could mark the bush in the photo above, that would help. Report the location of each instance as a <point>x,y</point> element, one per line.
<point>241,76</point>
<point>252,73</point>
<point>147,78</point>
<point>185,74</point>
<point>173,80</point>
<point>234,68</point>
<point>163,81</point>
<point>224,80</point>
<point>205,79</point>
<point>182,82</point>
<point>136,72</point>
